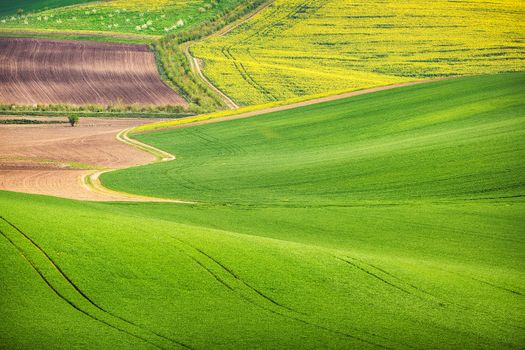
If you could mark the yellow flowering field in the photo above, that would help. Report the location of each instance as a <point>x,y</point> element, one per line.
<point>296,47</point>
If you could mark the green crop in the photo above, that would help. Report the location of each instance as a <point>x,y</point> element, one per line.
<point>134,17</point>
<point>387,220</point>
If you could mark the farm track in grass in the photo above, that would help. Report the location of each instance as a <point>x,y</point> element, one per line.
<point>79,73</point>
<point>252,295</point>
<point>67,290</point>
<point>385,220</point>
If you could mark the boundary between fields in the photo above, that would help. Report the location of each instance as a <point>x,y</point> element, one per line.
<point>264,109</point>
<point>80,33</point>
<point>92,183</point>
<point>196,63</point>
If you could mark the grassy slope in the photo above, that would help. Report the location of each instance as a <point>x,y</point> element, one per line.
<point>10,7</point>
<point>420,268</point>
<point>454,285</point>
<point>156,17</point>
<point>297,47</point>
<point>415,143</point>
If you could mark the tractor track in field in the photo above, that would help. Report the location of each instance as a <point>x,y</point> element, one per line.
<point>442,303</point>
<point>375,275</point>
<point>235,284</point>
<point>196,63</point>
<point>112,320</point>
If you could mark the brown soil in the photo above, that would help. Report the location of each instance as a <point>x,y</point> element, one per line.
<point>37,158</point>
<point>45,158</point>
<point>46,71</point>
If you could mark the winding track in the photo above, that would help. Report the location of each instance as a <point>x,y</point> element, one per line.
<point>67,162</point>
<point>58,160</point>
<point>196,63</point>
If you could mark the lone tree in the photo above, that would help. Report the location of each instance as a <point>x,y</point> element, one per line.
<point>73,119</point>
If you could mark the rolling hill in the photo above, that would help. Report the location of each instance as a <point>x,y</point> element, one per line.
<point>421,142</point>
<point>387,220</point>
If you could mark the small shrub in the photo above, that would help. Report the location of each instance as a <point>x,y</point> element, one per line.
<point>73,119</point>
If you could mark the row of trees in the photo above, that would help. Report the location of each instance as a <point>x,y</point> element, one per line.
<point>176,69</point>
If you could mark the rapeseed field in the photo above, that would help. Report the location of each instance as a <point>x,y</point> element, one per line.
<point>297,48</point>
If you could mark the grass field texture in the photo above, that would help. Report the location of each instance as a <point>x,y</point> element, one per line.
<point>142,17</point>
<point>414,143</point>
<point>391,220</point>
<point>296,48</point>
<point>19,7</point>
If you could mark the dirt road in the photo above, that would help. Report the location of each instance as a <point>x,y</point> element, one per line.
<point>52,159</point>
<point>58,160</point>
<point>196,64</point>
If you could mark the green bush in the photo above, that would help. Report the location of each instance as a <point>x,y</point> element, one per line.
<point>73,119</point>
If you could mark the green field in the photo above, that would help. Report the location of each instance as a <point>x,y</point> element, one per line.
<point>10,7</point>
<point>415,143</point>
<point>387,220</point>
<point>134,17</point>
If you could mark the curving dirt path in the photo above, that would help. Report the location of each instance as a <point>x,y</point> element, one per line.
<point>58,160</point>
<point>196,63</point>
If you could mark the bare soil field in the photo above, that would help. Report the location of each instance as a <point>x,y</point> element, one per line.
<point>52,158</point>
<point>45,71</point>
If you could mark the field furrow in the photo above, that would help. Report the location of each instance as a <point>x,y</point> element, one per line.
<point>45,71</point>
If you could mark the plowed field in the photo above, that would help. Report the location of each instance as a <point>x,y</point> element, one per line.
<point>51,158</point>
<point>43,71</point>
